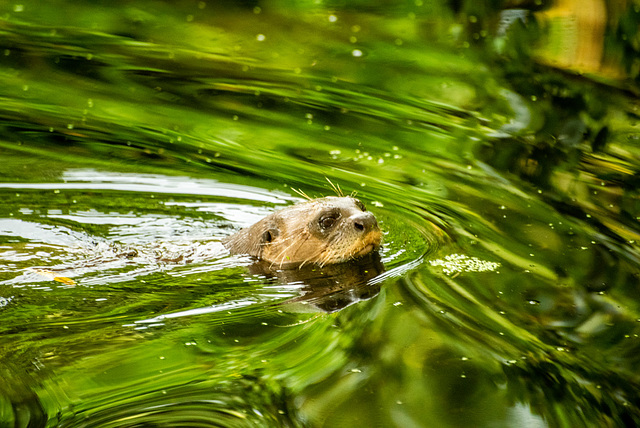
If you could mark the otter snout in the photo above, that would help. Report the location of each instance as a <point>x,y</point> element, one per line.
<point>364,222</point>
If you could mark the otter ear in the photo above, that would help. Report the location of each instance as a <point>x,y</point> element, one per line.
<point>250,240</point>
<point>269,235</point>
<point>243,242</point>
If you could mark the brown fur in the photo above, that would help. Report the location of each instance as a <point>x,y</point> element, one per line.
<point>297,235</point>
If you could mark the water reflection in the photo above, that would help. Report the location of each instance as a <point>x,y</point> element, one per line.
<point>576,35</point>
<point>134,138</point>
<point>328,288</point>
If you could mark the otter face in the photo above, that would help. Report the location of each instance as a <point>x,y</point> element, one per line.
<point>344,229</point>
<point>321,231</point>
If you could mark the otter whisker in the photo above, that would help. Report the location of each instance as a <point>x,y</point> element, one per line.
<point>336,187</point>
<point>301,193</point>
<point>327,254</point>
<point>308,259</point>
<point>317,257</point>
<point>282,253</point>
<point>295,234</point>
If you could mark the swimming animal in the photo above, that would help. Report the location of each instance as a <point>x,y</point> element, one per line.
<point>321,231</point>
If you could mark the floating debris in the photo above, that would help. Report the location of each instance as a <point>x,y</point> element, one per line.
<point>52,276</point>
<point>456,263</point>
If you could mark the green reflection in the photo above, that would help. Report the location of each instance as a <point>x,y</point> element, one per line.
<point>136,135</point>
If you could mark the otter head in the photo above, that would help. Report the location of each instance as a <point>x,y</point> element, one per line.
<point>321,231</point>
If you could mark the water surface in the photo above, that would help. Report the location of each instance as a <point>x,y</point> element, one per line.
<point>497,149</point>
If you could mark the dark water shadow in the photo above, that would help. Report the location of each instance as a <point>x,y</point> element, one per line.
<point>327,288</point>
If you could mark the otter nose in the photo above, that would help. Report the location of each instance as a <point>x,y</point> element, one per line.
<point>364,222</point>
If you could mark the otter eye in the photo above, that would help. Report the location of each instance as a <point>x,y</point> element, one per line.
<point>328,221</point>
<point>360,205</point>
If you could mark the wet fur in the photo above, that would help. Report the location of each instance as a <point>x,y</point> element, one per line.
<point>293,243</point>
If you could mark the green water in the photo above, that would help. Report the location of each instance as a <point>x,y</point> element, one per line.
<point>501,162</point>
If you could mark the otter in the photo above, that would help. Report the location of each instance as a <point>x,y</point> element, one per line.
<point>322,231</point>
